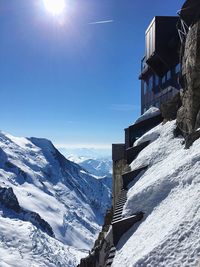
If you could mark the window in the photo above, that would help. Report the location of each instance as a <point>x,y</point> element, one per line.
<point>151,83</point>
<point>156,80</point>
<point>163,79</point>
<point>145,88</point>
<point>169,75</point>
<point>178,68</point>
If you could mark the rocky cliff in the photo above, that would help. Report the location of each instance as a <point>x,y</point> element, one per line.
<point>188,117</point>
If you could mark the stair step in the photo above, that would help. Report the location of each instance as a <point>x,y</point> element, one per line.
<point>109,262</point>
<point>130,176</point>
<point>115,220</point>
<point>120,204</point>
<point>112,249</point>
<point>117,212</point>
<point>119,216</point>
<point>120,226</point>
<point>119,208</point>
<point>132,152</point>
<point>123,194</point>
<point>111,255</point>
<point>121,198</point>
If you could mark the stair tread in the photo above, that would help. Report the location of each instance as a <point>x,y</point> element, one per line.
<point>111,255</point>
<point>119,208</point>
<point>116,220</point>
<point>117,212</point>
<point>113,249</point>
<point>121,203</point>
<point>109,261</point>
<point>117,216</point>
<point>124,218</point>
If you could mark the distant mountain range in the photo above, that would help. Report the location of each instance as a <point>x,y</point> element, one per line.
<point>86,153</point>
<point>99,167</point>
<point>51,209</point>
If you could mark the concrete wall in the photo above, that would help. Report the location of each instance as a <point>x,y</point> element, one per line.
<point>118,169</point>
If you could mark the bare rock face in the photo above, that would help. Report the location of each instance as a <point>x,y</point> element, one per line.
<point>9,199</point>
<point>188,116</point>
<point>170,108</point>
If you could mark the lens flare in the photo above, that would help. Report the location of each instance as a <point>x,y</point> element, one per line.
<point>55,7</point>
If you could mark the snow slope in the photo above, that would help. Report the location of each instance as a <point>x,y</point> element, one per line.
<point>168,193</point>
<point>72,201</point>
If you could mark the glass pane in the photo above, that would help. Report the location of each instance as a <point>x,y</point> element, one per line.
<point>178,68</point>
<point>169,75</point>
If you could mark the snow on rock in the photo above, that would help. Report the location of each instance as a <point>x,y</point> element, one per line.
<point>151,136</point>
<point>168,193</point>
<point>150,113</point>
<point>70,200</point>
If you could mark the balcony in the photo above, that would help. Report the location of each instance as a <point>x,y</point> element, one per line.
<point>162,44</point>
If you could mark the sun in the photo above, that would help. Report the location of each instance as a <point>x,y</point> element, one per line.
<point>55,7</point>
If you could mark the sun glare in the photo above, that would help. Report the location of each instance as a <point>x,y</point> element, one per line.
<point>55,7</point>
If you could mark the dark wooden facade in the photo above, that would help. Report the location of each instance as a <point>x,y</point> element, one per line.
<point>160,67</point>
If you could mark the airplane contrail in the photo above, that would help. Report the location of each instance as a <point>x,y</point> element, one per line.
<point>101,22</point>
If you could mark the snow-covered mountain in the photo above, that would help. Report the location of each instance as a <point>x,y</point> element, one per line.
<point>87,153</point>
<point>97,166</point>
<point>100,167</point>
<point>55,207</point>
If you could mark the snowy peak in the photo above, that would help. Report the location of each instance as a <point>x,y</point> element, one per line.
<point>49,187</point>
<point>99,166</point>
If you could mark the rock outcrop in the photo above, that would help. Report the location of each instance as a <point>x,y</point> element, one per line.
<point>188,116</point>
<point>169,109</point>
<point>9,200</point>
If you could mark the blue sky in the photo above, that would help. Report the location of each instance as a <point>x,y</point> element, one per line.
<point>69,79</point>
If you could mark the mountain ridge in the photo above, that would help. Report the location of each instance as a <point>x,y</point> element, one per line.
<point>72,201</point>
